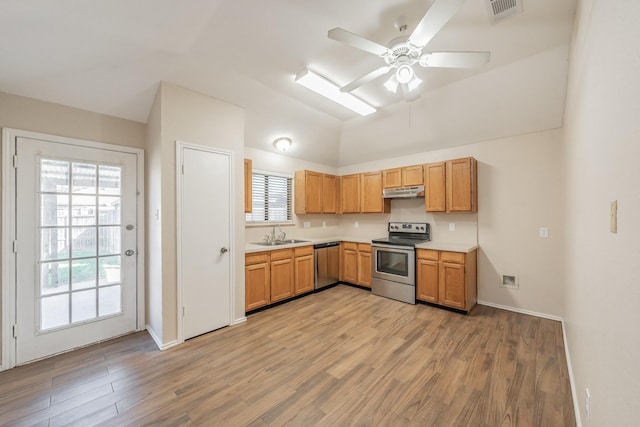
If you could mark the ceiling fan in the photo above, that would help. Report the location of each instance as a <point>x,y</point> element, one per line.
<point>405,51</point>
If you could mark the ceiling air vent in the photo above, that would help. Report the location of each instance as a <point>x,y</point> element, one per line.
<point>502,9</point>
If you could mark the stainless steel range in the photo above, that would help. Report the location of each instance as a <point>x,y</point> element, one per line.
<point>394,261</point>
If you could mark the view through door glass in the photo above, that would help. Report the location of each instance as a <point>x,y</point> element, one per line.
<point>80,229</point>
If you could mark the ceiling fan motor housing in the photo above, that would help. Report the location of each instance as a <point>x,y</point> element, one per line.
<point>401,52</point>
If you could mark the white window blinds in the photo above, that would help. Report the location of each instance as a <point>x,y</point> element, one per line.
<point>271,199</point>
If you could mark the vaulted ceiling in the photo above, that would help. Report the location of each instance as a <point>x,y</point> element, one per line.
<point>109,56</point>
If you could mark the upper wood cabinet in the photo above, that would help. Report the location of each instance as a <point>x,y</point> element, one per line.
<point>350,193</point>
<point>248,192</point>
<point>435,195</point>
<point>451,186</point>
<point>371,194</point>
<point>462,186</point>
<point>315,192</point>
<point>408,176</point>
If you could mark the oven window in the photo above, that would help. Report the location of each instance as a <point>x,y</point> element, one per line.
<point>396,263</point>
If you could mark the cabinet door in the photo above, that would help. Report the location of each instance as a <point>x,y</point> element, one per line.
<point>452,285</point>
<point>434,187</point>
<point>304,277</point>
<point>248,186</point>
<point>412,176</point>
<point>427,280</point>
<point>392,178</point>
<point>364,269</point>
<point>350,193</point>
<point>462,192</point>
<point>257,289</point>
<point>372,201</point>
<point>281,279</point>
<point>350,266</point>
<point>329,193</point>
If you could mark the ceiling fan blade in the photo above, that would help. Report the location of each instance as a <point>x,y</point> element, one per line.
<point>455,59</point>
<point>436,17</point>
<point>365,79</point>
<point>357,41</point>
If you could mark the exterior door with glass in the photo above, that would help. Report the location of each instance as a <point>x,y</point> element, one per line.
<point>76,256</point>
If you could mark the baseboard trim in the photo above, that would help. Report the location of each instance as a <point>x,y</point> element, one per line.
<point>238,321</point>
<point>159,344</point>
<point>520,310</point>
<point>576,403</point>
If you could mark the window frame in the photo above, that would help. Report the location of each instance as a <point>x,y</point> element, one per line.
<point>290,196</point>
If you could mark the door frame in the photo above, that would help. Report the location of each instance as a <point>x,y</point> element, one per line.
<point>180,146</point>
<point>8,286</point>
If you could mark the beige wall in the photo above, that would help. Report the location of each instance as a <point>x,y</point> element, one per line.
<point>38,116</point>
<point>197,119</point>
<point>602,148</point>
<point>519,191</point>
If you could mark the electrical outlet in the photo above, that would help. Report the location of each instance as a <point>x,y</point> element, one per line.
<point>306,224</point>
<point>356,224</point>
<point>452,226</point>
<point>587,403</point>
<point>544,232</point>
<point>324,224</point>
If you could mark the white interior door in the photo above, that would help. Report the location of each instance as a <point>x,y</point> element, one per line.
<point>204,213</point>
<point>76,246</point>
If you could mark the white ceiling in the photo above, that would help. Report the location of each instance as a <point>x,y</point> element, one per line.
<point>109,56</point>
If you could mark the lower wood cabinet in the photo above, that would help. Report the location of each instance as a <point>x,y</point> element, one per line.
<point>356,263</point>
<point>257,278</point>
<point>447,278</point>
<point>277,275</point>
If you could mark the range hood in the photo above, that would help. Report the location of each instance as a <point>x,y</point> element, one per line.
<point>403,192</point>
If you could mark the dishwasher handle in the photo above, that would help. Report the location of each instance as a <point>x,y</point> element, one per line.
<point>326,245</point>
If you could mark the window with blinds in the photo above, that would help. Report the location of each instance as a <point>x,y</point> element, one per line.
<point>271,198</point>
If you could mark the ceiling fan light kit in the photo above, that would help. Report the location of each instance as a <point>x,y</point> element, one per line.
<point>330,90</point>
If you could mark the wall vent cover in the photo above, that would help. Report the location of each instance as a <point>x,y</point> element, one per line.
<point>502,9</point>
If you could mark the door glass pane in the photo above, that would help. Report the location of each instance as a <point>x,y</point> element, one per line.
<point>54,277</point>
<point>83,273</point>
<point>109,240</point>
<point>83,305</point>
<point>109,270</point>
<point>83,210</point>
<point>110,302</point>
<point>84,179</point>
<point>54,243</point>
<point>54,176</point>
<point>54,311</point>
<point>54,209</point>
<point>110,180</point>
<point>83,242</point>
<point>109,210</point>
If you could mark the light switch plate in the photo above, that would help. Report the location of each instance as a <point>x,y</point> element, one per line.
<point>452,226</point>
<point>306,224</point>
<point>544,232</point>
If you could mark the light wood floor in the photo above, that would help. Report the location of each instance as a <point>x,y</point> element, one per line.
<point>342,357</point>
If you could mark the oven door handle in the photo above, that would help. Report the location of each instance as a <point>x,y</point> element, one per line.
<point>404,249</point>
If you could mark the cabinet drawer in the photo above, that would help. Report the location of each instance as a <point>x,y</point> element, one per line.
<point>350,246</point>
<point>456,257</point>
<point>303,250</point>
<point>427,254</point>
<point>281,254</point>
<point>256,258</point>
<point>364,247</point>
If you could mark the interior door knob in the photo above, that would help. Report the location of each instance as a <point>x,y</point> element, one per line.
<point>224,250</point>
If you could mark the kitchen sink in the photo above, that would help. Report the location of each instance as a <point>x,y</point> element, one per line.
<point>280,242</point>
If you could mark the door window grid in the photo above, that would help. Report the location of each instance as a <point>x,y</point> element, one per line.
<point>80,242</point>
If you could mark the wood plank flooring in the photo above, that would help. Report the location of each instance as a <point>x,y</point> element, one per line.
<point>341,357</point>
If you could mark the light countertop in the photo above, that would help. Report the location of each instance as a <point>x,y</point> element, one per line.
<point>439,246</point>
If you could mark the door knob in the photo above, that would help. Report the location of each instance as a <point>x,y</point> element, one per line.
<point>129,252</point>
<point>223,250</point>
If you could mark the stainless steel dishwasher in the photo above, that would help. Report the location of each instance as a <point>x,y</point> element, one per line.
<point>327,264</point>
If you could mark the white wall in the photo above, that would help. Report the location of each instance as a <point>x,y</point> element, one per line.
<point>602,134</point>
